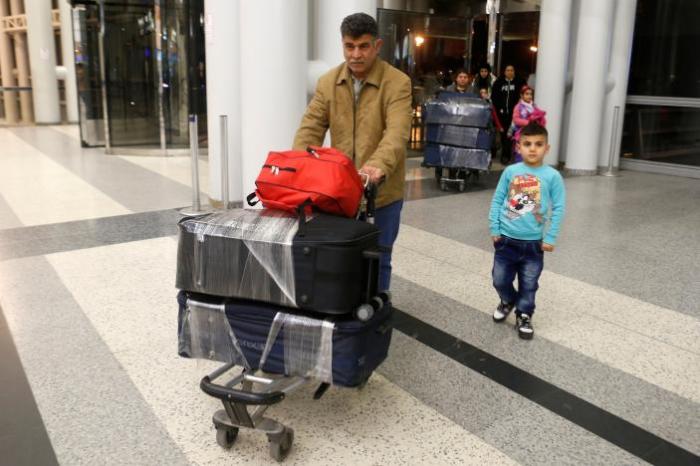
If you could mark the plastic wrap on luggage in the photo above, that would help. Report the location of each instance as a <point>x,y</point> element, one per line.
<point>458,109</point>
<point>308,346</point>
<point>461,136</point>
<point>260,266</point>
<point>205,333</point>
<point>354,349</point>
<point>437,155</point>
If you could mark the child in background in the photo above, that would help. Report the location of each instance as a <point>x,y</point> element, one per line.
<point>525,111</point>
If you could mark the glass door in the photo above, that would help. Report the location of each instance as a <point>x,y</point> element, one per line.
<point>131,74</point>
<point>86,30</point>
<point>141,68</point>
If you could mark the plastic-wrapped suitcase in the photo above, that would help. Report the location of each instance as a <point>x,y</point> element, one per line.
<point>438,155</point>
<point>338,351</point>
<point>458,109</point>
<point>326,264</point>
<point>461,136</point>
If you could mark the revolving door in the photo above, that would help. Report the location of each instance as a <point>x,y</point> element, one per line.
<point>140,72</point>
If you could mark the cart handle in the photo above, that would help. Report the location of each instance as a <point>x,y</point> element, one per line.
<point>239,396</point>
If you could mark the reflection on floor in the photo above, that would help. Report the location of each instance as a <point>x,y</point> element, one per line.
<point>88,325</point>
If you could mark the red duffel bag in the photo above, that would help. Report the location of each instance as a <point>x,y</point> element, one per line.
<point>322,176</point>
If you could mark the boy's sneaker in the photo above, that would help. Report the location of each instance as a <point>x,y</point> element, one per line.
<point>502,311</point>
<point>523,323</point>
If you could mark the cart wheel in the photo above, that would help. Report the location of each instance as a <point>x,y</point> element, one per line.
<point>462,186</point>
<point>443,186</point>
<point>226,436</point>
<point>279,449</point>
<point>364,312</point>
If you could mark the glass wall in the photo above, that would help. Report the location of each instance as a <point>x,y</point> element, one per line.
<point>428,48</point>
<point>151,53</point>
<point>86,31</point>
<point>133,104</point>
<point>662,134</point>
<point>662,116</point>
<point>665,52</point>
<point>518,34</point>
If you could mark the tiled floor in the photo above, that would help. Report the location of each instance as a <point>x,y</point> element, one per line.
<point>90,373</point>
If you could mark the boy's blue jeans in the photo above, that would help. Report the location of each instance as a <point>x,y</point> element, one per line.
<point>387,219</point>
<point>524,259</point>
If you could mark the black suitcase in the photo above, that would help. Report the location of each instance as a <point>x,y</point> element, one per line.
<point>437,155</point>
<point>337,350</point>
<point>458,109</point>
<point>460,136</point>
<point>327,264</point>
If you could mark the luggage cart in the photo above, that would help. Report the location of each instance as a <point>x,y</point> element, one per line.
<point>247,396</point>
<point>458,176</point>
<point>238,395</point>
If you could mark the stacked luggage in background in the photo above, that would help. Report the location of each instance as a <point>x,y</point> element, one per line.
<point>284,291</point>
<point>458,137</point>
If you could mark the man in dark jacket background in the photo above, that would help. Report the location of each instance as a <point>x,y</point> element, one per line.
<point>505,95</point>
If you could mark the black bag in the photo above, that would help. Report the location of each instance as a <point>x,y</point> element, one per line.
<point>352,350</point>
<point>327,264</point>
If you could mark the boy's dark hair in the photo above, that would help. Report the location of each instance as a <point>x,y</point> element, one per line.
<point>534,129</point>
<point>357,25</point>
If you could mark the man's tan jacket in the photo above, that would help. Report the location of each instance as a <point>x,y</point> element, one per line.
<point>374,131</point>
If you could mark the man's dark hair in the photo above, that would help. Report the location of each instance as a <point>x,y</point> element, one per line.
<point>534,129</point>
<point>357,25</point>
<point>460,71</point>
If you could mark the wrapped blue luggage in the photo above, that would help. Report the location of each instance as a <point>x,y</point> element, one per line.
<point>438,155</point>
<point>458,109</point>
<point>461,136</point>
<point>340,351</point>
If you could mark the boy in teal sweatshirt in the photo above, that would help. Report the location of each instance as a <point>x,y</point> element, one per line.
<point>526,213</point>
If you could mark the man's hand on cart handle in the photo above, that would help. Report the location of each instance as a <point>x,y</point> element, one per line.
<point>375,174</point>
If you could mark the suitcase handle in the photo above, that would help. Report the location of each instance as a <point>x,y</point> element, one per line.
<point>301,213</point>
<point>239,396</point>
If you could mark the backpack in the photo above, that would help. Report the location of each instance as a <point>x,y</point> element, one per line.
<point>322,177</point>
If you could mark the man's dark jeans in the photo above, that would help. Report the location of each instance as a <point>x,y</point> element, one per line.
<point>387,219</point>
<point>524,259</point>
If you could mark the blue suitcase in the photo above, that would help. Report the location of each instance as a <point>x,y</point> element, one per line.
<point>458,109</point>
<point>338,350</point>
<point>460,136</point>
<point>437,155</point>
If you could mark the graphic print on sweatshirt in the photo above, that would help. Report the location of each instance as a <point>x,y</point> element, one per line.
<point>524,197</point>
